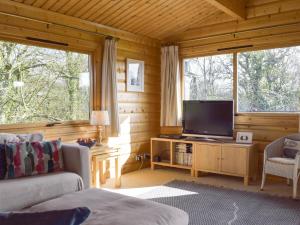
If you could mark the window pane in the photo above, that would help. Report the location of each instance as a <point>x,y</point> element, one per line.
<point>41,84</point>
<point>208,78</point>
<point>269,80</point>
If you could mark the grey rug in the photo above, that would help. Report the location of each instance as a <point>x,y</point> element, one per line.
<point>207,205</point>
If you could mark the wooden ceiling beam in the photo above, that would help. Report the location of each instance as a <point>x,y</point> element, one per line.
<point>234,8</point>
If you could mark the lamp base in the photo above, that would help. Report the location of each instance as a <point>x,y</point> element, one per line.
<point>99,137</point>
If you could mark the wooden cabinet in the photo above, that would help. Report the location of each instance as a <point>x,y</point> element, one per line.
<point>230,159</point>
<point>207,157</point>
<point>234,160</point>
<point>222,157</point>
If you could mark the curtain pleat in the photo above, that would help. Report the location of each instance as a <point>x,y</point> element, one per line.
<point>109,97</point>
<point>170,87</point>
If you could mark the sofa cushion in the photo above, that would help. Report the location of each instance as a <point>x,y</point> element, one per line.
<point>8,138</point>
<point>31,158</point>
<point>31,137</point>
<point>74,216</point>
<point>27,191</point>
<point>48,155</point>
<point>110,208</point>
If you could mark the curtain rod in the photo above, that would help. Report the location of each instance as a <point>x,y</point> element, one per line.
<point>57,24</point>
<point>47,41</point>
<point>238,32</point>
<point>234,48</point>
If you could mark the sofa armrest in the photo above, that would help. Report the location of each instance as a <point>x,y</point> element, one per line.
<point>77,160</point>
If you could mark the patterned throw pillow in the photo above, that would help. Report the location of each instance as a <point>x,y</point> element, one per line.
<point>31,158</point>
<point>3,167</point>
<point>48,156</point>
<point>290,148</point>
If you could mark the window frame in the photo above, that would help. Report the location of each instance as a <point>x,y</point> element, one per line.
<point>183,76</point>
<point>91,56</point>
<point>235,77</point>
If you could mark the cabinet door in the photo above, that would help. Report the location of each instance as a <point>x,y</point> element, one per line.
<point>234,160</point>
<point>207,157</point>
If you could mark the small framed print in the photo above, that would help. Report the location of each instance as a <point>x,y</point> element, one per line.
<point>135,75</point>
<point>244,137</point>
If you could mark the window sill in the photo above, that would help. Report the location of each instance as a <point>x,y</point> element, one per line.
<point>44,124</point>
<point>267,114</point>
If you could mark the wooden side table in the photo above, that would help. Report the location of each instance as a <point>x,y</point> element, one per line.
<point>100,156</point>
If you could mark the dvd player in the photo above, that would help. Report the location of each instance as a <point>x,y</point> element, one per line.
<point>171,136</point>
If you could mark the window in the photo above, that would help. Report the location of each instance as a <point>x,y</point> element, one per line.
<point>269,80</point>
<point>208,78</point>
<point>41,85</point>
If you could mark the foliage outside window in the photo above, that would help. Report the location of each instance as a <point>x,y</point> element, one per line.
<point>269,80</point>
<point>41,85</point>
<point>208,78</point>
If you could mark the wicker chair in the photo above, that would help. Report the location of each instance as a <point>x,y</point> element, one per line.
<point>275,164</point>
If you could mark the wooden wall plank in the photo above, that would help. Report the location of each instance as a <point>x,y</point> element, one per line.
<point>139,111</point>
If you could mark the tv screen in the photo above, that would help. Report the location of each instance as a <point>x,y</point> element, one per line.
<point>208,118</point>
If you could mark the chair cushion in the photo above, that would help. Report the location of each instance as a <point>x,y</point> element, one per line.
<point>290,148</point>
<point>74,216</point>
<point>26,191</point>
<point>286,161</point>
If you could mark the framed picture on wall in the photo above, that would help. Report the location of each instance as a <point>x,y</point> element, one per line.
<point>135,75</point>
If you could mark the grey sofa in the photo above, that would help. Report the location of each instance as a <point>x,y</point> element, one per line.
<point>16,194</point>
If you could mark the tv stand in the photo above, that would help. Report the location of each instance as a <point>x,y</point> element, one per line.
<point>208,155</point>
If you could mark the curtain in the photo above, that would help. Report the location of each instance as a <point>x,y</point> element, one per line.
<point>170,87</point>
<point>109,98</point>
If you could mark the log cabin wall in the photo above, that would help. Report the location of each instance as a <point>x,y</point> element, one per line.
<point>139,112</point>
<point>269,24</point>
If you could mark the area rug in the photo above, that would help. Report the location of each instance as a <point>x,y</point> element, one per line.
<point>208,205</point>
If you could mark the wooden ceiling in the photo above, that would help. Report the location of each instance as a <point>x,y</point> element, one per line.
<point>153,18</point>
<point>172,20</point>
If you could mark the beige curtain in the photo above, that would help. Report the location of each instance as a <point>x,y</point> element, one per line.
<point>170,87</point>
<point>109,98</point>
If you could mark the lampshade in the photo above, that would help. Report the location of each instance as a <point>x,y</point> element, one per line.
<point>100,118</point>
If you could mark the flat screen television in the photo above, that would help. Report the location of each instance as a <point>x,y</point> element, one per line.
<point>210,119</point>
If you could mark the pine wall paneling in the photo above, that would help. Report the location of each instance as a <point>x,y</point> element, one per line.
<point>139,112</point>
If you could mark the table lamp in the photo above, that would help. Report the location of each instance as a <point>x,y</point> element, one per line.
<point>99,119</point>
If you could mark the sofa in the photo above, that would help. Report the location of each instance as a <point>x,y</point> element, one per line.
<point>16,194</point>
<point>70,188</point>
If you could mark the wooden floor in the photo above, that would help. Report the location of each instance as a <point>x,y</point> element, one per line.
<point>141,181</point>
